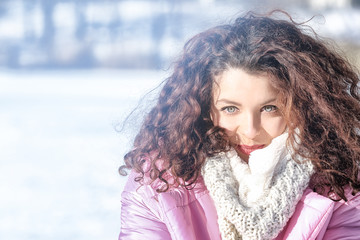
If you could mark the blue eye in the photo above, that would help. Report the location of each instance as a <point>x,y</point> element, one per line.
<point>230,109</point>
<point>269,108</point>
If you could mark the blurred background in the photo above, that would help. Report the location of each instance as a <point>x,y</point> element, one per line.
<point>71,71</point>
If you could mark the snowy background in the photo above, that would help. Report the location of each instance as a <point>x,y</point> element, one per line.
<point>60,151</point>
<point>69,75</point>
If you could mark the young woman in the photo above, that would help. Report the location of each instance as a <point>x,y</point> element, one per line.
<point>255,135</point>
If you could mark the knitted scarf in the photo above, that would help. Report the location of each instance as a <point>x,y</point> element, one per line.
<point>255,200</point>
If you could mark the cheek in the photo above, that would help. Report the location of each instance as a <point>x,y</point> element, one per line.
<point>225,122</point>
<point>275,127</point>
<point>229,124</point>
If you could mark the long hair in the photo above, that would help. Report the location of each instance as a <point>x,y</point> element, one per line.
<point>318,91</point>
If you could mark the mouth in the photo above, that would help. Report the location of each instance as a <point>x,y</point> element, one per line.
<point>249,149</point>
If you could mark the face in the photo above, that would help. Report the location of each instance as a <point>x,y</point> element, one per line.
<point>246,107</point>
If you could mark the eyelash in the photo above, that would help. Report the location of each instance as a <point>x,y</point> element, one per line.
<point>226,109</point>
<point>274,108</point>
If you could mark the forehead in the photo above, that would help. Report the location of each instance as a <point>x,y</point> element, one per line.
<point>236,82</point>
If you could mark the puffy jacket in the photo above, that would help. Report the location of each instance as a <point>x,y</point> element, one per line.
<point>190,214</point>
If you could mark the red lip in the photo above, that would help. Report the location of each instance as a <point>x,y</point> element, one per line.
<point>249,149</point>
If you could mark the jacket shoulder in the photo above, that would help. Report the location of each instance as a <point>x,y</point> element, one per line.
<point>345,221</point>
<point>140,214</point>
<point>318,217</point>
<point>312,214</point>
<point>181,213</point>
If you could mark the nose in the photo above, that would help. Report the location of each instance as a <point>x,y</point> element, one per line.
<point>250,126</point>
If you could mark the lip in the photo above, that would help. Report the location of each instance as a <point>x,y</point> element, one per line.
<point>246,149</point>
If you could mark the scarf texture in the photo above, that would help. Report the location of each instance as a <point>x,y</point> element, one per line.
<point>255,200</point>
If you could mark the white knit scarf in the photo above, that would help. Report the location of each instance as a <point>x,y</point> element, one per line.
<point>255,200</point>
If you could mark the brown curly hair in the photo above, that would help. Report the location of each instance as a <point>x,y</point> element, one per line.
<point>318,91</point>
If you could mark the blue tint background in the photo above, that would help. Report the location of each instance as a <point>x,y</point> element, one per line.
<point>71,70</point>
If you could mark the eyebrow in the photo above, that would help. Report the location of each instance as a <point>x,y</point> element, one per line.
<point>227,101</point>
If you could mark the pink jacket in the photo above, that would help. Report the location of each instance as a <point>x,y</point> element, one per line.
<point>190,214</point>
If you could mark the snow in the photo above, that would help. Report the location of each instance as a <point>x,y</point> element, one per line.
<point>60,151</point>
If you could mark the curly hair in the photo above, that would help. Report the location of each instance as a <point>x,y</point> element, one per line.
<point>318,90</point>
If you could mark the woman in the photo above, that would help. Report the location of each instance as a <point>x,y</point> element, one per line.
<point>255,135</point>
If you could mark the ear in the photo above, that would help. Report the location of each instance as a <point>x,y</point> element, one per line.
<point>214,115</point>
<point>211,115</point>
